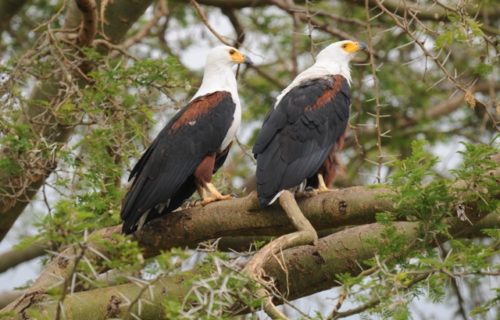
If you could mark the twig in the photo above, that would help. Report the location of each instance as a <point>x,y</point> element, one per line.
<point>339,304</point>
<point>471,100</point>
<point>137,299</point>
<point>376,90</point>
<point>204,19</point>
<point>238,28</point>
<point>304,17</point>
<point>305,235</point>
<point>295,30</point>
<point>444,255</point>
<point>160,11</point>
<point>337,314</point>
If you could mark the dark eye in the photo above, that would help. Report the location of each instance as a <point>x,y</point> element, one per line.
<point>345,45</point>
<point>232,51</point>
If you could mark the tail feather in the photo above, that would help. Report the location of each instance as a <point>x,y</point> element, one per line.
<point>129,213</point>
<point>270,171</point>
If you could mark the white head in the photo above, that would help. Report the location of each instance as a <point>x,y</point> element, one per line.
<point>332,60</point>
<point>224,56</point>
<point>219,75</point>
<point>335,58</point>
<point>339,52</point>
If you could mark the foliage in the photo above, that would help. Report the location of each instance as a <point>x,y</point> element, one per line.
<point>403,271</point>
<point>217,292</point>
<point>75,120</point>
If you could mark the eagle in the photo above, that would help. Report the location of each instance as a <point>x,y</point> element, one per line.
<point>190,148</point>
<point>301,134</point>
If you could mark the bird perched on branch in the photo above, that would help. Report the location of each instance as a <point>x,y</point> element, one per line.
<point>300,135</point>
<point>190,148</point>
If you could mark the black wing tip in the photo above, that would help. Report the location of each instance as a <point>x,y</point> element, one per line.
<point>265,201</point>
<point>128,227</point>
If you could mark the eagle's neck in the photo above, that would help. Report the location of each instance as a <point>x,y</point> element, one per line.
<point>326,68</point>
<point>318,70</point>
<point>222,78</point>
<point>218,78</point>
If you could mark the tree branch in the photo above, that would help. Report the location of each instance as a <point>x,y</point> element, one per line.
<point>300,14</point>
<point>204,19</point>
<point>305,234</point>
<point>8,297</point>
<point>301,271</point>
<point>239,217</point>
<point>225,218</point>
<point>433,113</point>
<point>88,29</point>
<point>238,28</point>
<point>432,12</point>
<point>12,258</point>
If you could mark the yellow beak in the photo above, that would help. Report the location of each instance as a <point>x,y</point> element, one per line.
<point>238,57</point>
<point>353,47</point>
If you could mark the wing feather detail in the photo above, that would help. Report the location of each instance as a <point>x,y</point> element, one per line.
<point>299,133</point>
<point>163,175</point>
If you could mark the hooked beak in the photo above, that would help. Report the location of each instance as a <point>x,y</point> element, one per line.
<point>248,61</point>
<point>353,47</point>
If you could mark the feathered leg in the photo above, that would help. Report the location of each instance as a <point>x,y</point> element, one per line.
<point>203,175</point>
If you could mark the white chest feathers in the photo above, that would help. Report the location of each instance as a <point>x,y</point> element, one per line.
<point>235,125</point>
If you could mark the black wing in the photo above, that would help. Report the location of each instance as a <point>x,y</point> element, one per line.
<point>164,170</point>
<point>187,188</point>
<point>299,133</point>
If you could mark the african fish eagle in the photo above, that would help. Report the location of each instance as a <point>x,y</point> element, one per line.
<point>190,148</point>
<point>300,135</point>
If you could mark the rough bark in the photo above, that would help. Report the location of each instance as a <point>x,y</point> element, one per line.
<point>239,217</point>
<point>19,190</point>
<point>8,297</point>
<point>58,271</point>
<point>338,253</point>
<point>239,223</point>
<point>225,218</point>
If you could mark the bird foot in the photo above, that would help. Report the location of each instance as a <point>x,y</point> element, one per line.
<point>322,189</point>
<point>312,192</point>
<point>220,197</point>
<point>306,193</point>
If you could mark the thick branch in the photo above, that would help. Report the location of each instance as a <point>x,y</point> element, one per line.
<point>226,218</point>
<point>309,269</point>
<point>88,29</point>
<point>8,297</point>
<point>305,234</point>
<point>238,217</point>
<point>12,258</point>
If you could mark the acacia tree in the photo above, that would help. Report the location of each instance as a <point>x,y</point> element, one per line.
<point>86,84</point>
